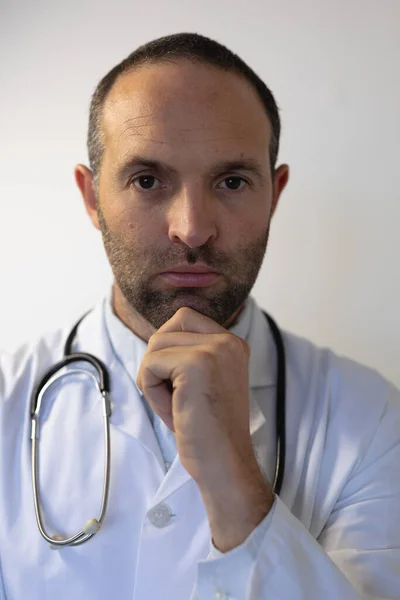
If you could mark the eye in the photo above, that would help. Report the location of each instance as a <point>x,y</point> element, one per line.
<point>145,182</point>
<point>233,183</point>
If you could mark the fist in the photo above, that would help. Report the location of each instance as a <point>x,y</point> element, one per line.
<point>194,374</point>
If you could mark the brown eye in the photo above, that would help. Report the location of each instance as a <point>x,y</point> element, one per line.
<point>145,182</point>
<point>233,183</point>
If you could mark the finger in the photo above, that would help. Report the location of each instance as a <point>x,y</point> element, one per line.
<point>156,367</point>
<point>188,319</point>
<point>160,400</point>
<point>159,341</point>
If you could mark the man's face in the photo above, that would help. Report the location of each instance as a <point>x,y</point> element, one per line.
<point>188,205</point>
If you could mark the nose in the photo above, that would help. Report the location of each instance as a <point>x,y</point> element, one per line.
<point>192,217</point>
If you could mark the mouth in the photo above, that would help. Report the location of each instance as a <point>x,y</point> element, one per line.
<point>190,279</point>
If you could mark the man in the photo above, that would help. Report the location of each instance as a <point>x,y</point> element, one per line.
<point>183,182</point>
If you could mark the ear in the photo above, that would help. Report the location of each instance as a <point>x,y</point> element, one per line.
<point>84,181</point>
<point>281,177</point>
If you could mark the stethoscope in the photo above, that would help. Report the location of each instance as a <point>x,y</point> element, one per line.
<point>102,384</point>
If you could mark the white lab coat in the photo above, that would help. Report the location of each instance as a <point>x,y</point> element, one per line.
<point>334,533</point>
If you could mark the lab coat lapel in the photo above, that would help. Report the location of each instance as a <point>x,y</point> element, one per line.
<point>262,370</point>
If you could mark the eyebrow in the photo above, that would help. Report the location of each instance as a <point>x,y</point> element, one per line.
<point>244,164</point>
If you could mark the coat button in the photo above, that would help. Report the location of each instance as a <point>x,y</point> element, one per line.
<point>160,515</point>
<point>219,595</point>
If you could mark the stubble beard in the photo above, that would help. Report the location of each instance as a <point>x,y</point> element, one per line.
<point>135,271</point>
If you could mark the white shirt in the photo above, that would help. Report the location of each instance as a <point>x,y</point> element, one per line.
<point>333,533</point>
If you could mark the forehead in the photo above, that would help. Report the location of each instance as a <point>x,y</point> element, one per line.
<point>169,107</point>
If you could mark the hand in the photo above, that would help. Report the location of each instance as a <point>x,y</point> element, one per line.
<point>206,404</point>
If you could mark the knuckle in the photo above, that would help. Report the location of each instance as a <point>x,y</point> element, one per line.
<point>183,310</point>
<point>205,357</point>
<point>183,316</point>
<point>152,342</point>
<point>231,341</point>
<point>236,344</point>
<point>246,347</point>
<point>156,342</point>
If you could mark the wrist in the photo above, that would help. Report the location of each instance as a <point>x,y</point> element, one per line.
<point>236,502</point>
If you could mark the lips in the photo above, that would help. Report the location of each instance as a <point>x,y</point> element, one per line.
<point>190,269</point>
<point>190,279</point>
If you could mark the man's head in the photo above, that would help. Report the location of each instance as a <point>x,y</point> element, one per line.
<point>183,142</point>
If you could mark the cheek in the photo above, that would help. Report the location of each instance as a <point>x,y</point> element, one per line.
<point>250,220</point>
<point>259,221</point>
<point>146,228</point>
<point>246,230</point>
<point>123,218</point>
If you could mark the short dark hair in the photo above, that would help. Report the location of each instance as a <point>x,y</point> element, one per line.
<point>190,46</point>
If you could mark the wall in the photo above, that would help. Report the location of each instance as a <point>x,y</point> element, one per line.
<point>332,268</point>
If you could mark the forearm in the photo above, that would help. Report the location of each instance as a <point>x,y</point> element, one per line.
<point>237,498</point>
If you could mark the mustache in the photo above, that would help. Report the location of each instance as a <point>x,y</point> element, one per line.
<point>208,257</point>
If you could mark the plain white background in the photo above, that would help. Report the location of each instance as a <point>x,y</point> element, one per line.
<point>331,272</point>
